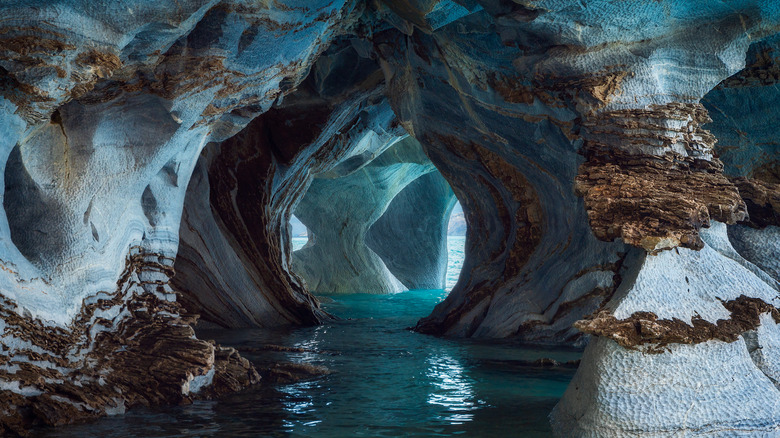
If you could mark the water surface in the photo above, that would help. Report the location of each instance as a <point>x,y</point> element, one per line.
<point>384,380</point>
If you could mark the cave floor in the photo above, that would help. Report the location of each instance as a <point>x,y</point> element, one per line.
<point>382,380</point>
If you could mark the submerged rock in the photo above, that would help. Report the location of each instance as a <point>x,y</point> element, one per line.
<point>288,372</point>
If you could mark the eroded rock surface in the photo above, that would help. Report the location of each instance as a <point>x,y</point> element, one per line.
<point>411,235</point>
<point>235,236</point>
<point>616,164</point>
<point>339,208</point>
<point>104,113</point>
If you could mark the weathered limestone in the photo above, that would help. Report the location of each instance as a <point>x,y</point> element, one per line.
<point>576,135</point>
<point>411,236</point>
<point>656,184</point>
<point>678,311</point>
<point>339,208</point>
<point>106,110</point>
<point>234,265</point>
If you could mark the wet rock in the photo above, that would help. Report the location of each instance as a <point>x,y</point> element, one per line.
<point>272,347</point>
<point>288,372</point>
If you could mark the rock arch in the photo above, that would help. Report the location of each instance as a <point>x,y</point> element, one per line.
<point>576,136</point>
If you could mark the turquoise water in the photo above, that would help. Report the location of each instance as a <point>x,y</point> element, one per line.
<point>384,380</point>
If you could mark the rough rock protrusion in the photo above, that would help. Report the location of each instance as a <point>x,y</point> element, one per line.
<point>650,177</point>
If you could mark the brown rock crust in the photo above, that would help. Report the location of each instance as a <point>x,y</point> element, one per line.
<point>762,200</point>
<point>639,186</point>
<point>147,355</point>
<point>645,328</point>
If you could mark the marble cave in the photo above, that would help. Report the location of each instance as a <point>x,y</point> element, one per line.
<point>615,165</point>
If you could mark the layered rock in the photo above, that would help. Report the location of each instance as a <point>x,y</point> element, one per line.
<point>616,88</point>
<point>105,111</point>
<point>235,264</point>
<point>532,265</point>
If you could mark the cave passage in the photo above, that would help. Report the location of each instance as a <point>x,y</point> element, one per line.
<point>455,244</point>
<point>367,374</point>
<point>617,163</point>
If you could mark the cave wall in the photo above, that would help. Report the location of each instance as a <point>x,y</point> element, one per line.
<point>745,123</point>
<point>105,112</point>
<point>138,141</point>
<point>530,254</point>
<point>578,151</point>
<point>339,208</point>
<point>234,265</point>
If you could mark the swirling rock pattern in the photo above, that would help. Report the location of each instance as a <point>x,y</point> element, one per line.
<point>411,235</point>
<point>234,236</point>
<point>338,210</point>
<point>105,111</point>
<point>616,164</point>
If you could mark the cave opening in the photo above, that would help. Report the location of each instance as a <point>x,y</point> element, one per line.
<point>280,176</point>
<point>393,225</point>
<point>300,235</point>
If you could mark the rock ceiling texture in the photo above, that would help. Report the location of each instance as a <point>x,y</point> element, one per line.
<point>616,162</point>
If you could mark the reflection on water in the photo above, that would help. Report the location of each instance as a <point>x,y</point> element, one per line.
<point>451,389</point>
<point>385,381</point>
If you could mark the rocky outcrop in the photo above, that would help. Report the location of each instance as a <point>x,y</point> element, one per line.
<point>411,236</point>
<point>104,113</point>
<point>580,138</point>
<point>655,201</point>
<point>679,310</point>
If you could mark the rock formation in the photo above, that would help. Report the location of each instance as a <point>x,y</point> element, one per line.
<point>235,236</point>
<point>411,236</point>
<point>571,97</point>
<point>104,113</point>
<point>615,162</point>
<point>338,210</point>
